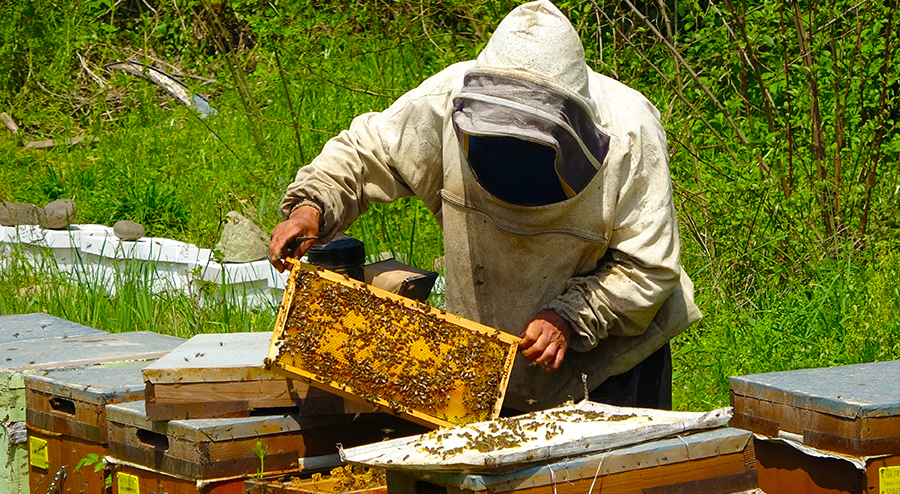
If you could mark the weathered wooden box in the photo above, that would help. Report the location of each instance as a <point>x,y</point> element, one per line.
<point>20,358</point>
<point>15,329</point>
<point>823,430</point>
<point>132,479</point>
<point>372,346</point>
<point>719,461</point>
<point>222,375</point>
<point>49,453</point>
<point>66,417</point>
<point>211,449</point>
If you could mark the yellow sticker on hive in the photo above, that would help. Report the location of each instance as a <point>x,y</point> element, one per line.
<point>128,484</point>
<point>889,480</point>
<point>38,454</point>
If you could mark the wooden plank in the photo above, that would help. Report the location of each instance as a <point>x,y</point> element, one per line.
<point>365,318</point>
<point>628,482</point>
<point>149,481</point>
<point>851,391</point>
<point>862,436</point>
<point>222,375</point>
<point>66,451</point>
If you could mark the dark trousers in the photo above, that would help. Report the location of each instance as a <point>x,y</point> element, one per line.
<point>647,385</point>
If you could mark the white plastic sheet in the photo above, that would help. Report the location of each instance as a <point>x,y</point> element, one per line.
<point>539,436</point>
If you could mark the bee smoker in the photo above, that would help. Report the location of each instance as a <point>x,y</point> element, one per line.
<point>344,254</point>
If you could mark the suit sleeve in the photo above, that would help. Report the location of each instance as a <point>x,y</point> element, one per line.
<point>641,267</point>
<point>382,157</point>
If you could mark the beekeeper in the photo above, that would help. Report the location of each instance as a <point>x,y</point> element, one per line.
<point>551,185</point>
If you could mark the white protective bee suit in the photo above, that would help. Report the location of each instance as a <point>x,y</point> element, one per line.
<point>604,256</point>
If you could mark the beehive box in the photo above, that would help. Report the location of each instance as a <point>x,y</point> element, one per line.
<point>719,461</point>
<point>20,358</point>
<point>66,417</point>
<point>373,346</point>
<point>853,409</point>
<point>824,430</point>
<point>212,449</point>
<point>346,479</point>
<point>222,375</point>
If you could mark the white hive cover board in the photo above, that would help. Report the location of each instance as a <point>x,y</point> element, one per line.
<point>501,444</point>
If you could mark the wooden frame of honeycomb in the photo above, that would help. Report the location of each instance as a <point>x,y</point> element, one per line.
<point>403,356</point>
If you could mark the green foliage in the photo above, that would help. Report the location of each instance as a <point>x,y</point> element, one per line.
<point>260,452</point>
<point>90,459</point>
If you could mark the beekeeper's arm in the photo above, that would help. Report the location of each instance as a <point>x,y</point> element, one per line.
<point>641,267</point>
<point>380,158</point>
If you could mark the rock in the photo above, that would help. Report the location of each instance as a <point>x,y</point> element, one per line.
<point>59,214</point>
<point>242,240</point>
<point>19,213</point>
<point>128,230</point>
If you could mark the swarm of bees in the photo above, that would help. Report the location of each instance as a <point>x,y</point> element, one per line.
<point>394,355</point>
<point>507,433</point>
<point>343,479</point>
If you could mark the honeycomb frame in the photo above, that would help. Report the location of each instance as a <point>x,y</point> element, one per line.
<point>498,347</point>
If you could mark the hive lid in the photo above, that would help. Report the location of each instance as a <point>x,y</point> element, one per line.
<point>85,350</point>
<point>852,391</point>
<point>222,429</point>
<point>97,384</point>
<point>221,357</point>
<point>39,326</point>
<point>542,436</point>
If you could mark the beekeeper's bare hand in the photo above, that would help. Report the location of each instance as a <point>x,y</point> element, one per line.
<point>545,340</point>
<point>283,243</point>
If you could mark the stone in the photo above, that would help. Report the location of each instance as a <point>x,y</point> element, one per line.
<point>242,240</point>
<point>128,230</point>
<point>59,214</point>
<point>19,213</point>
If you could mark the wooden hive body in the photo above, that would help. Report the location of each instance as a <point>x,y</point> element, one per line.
<point>33,356</point>
<point>852,409</point>
<point>208,449</point>
<point>73,401</point>
<point>372,346</point>
<point>719,461</point>
<point>15,329</point>
<point>830,430</point>
<point>222,375</point>
<point>66,413</point>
